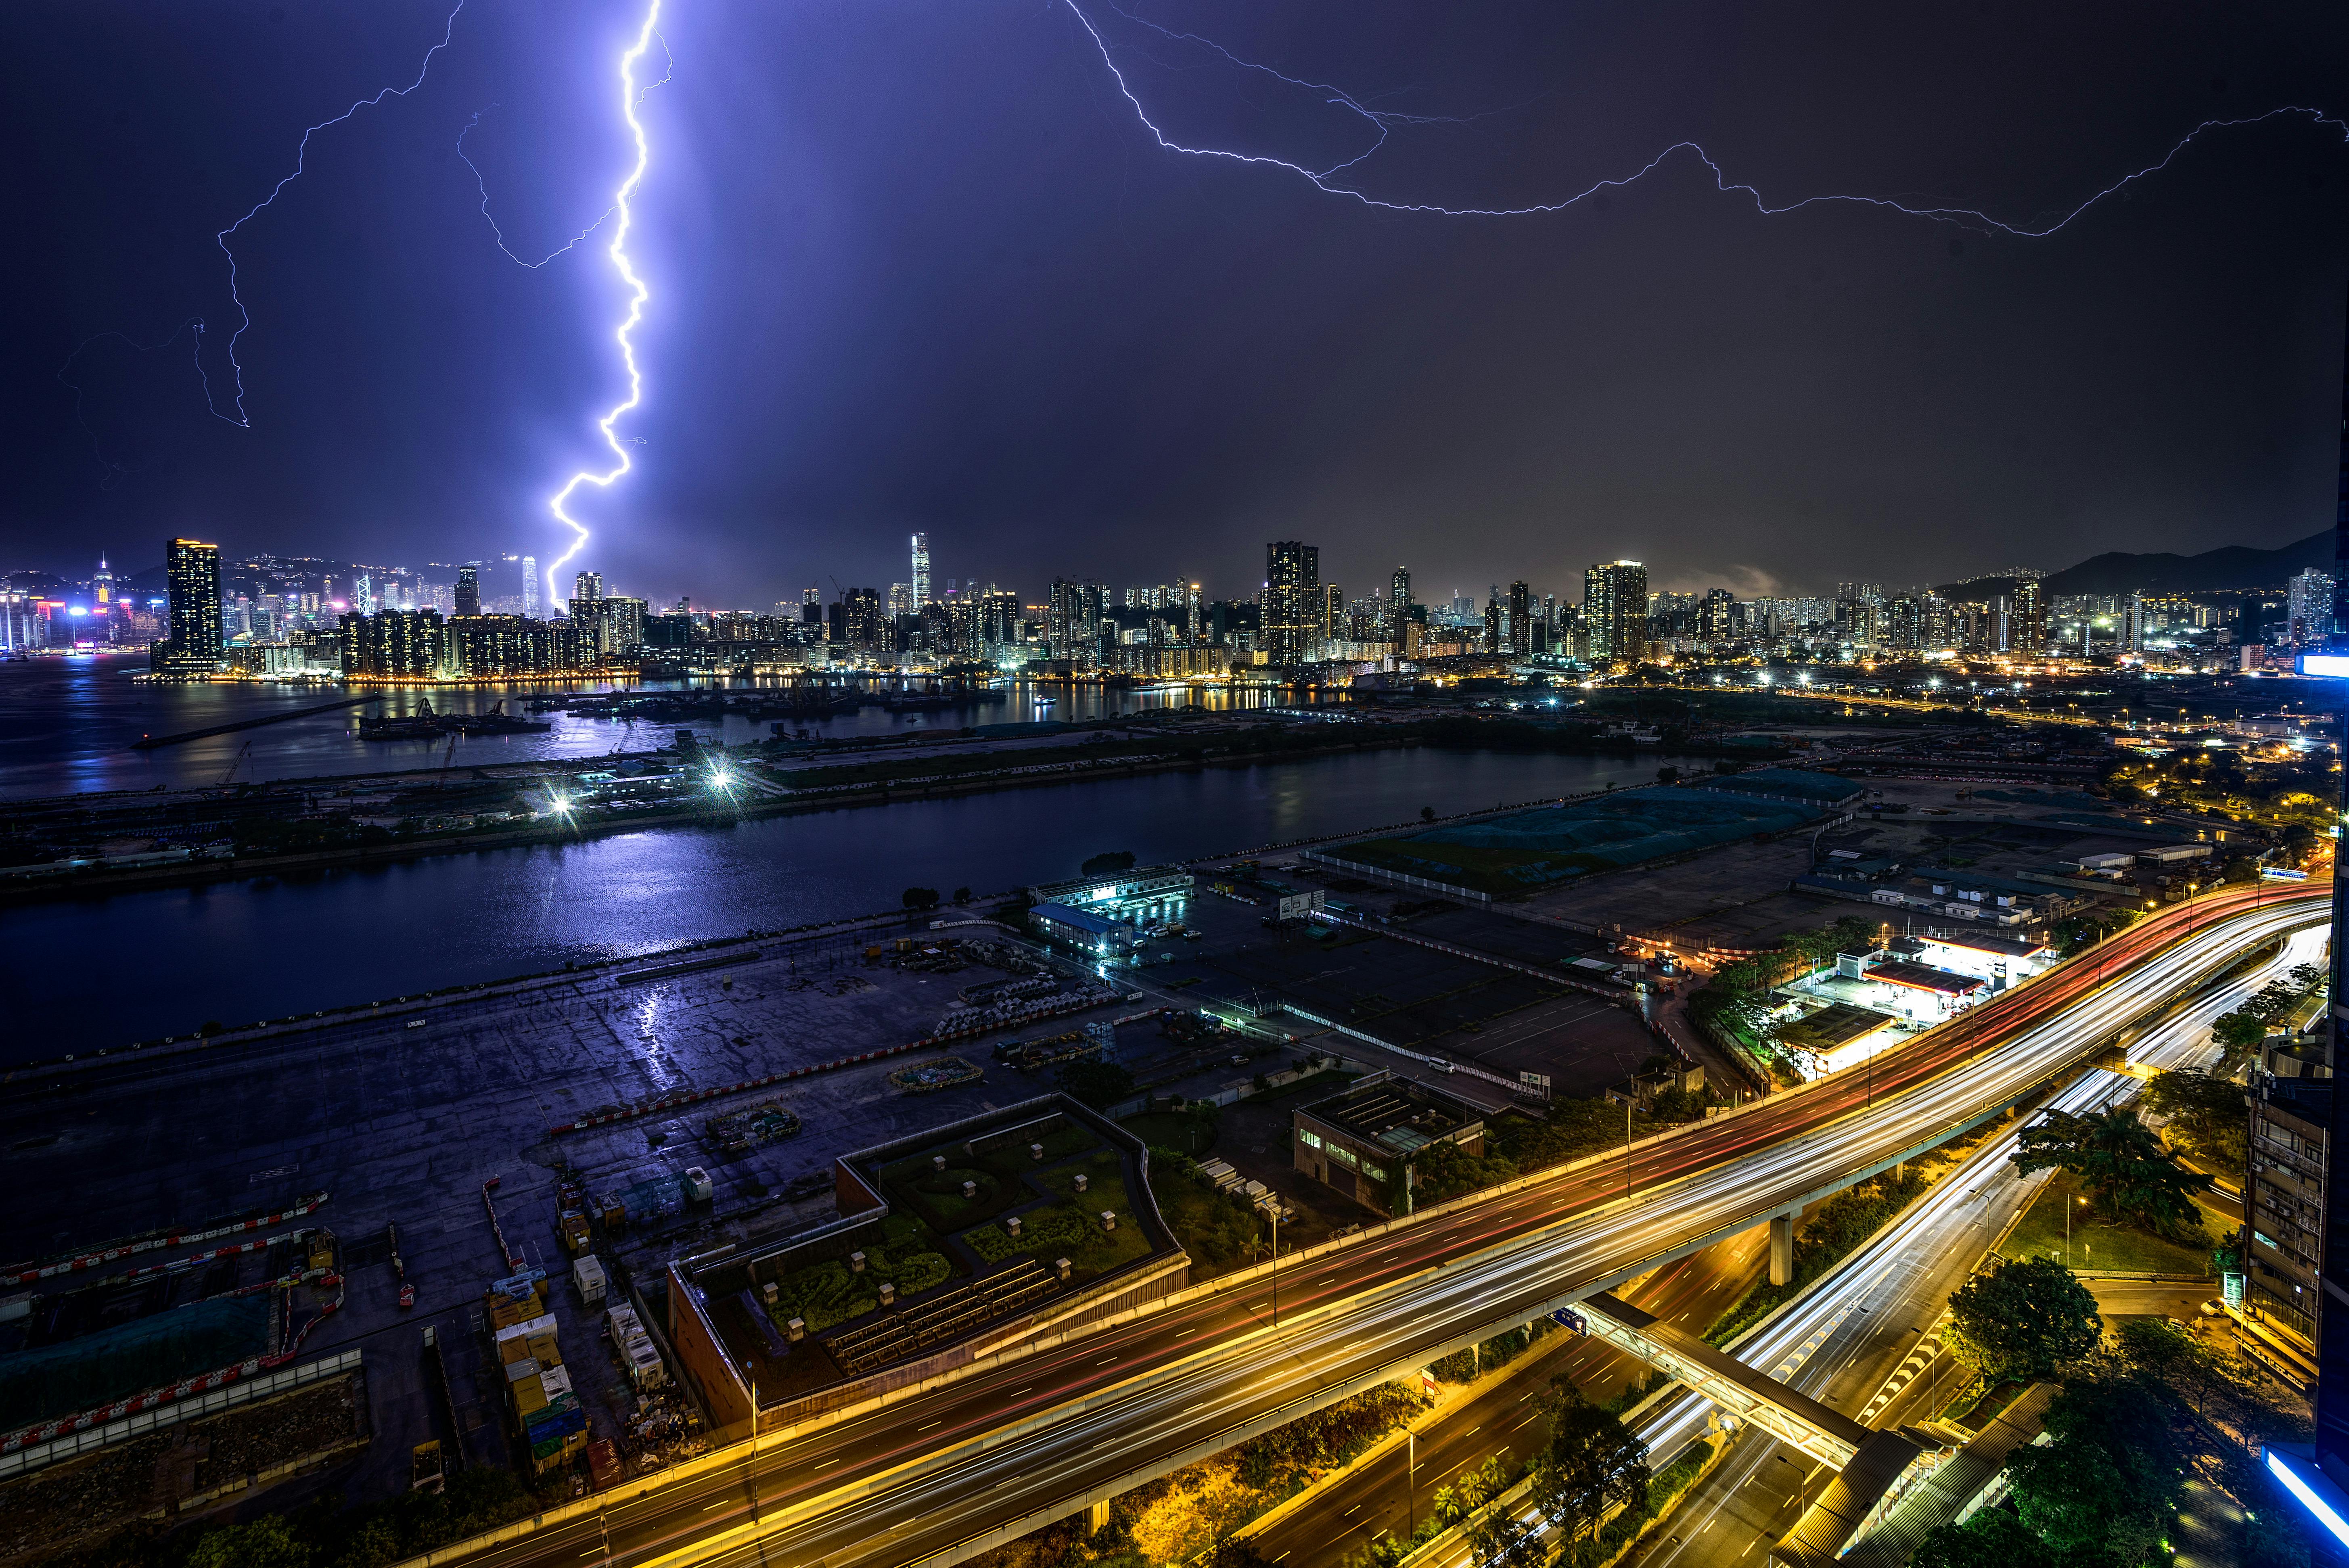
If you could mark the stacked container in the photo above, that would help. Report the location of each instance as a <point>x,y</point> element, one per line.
<point>636,1348</point>
<point>553,1425</point>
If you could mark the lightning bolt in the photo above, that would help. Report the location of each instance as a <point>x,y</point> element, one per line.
<point>483,185</point>
<point>301,156</point>
<point>630,96</point>
<point>1383,122</point>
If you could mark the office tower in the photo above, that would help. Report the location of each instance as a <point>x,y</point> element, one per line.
<point>1521,619</point>
<point>363,595</point>
<point>2027,622</point>
<point>1615,608</point>
<point>469,590</point>
<point>101,583</point>
<point>588,587</point>
<point>921,583</point>
<point>530,587</point>
<point>191,571</point>
<point>1293,603</point>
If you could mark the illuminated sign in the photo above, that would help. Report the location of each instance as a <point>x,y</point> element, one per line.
<point>2325,664</point>
<point>2231,1288</point>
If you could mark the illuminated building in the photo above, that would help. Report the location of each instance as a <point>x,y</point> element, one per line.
<point>1615,609</point>
<point>1072,618</point>
<point>1399,600</point>
<point>1521,619</point>
<point>1295,611</point>
<point>1364,1141</point>
<point>394,645</point>
<point>921,583</point>
<point>2027,619</point>
<point>530,586</point>
<point>2308,609</point>
<point>469,591</point>
<point>484,645</point>
<point>193,650</point>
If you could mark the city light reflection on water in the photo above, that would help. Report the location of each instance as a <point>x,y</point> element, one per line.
<point>240,951</point>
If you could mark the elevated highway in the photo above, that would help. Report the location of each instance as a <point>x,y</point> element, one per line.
<point>943,1473</point>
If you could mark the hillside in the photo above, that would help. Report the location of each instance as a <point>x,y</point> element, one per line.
<point>2227,567</point>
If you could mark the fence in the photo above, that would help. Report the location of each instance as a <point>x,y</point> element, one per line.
<point>210,1403</point>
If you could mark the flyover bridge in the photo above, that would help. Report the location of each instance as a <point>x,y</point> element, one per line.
<point>1036,1432</point>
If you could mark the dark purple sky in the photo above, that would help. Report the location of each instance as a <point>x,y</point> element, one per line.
<point>918,265</point>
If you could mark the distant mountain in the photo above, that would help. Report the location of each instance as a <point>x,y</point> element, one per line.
<point>2230,566</point>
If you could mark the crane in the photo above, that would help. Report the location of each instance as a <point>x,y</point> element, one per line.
<point>234,763</point>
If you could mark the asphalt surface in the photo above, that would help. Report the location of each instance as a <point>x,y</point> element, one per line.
<point>939,1474</point>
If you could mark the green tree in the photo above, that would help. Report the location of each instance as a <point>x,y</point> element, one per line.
<point>2132,1178</point>
<point>1991,1539</point>
<point>2239,1035</point>
<point>1593,1463</point>
<point>2023,1320</point>
<point>919,898</point>
<point>267,1542</point>
<point>2105,1488</point>
<point>1105,864</point>
<point>2207,1113</point>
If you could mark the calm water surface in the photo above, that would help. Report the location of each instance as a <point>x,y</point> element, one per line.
<point>66,726</point>
<point>138,965</point>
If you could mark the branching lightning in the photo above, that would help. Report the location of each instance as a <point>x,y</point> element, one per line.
<point>244,318</point>
<point>630,96</point>
<point>1383,121</point>
<point>483,185</point>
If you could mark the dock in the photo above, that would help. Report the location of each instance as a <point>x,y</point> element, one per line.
<point>150,742</point>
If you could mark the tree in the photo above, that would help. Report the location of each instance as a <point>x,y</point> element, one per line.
<point>1097,1084</point>
<point>1668,775</point>
<point>918,898</point>
<point>1104,865</point>
<point>1427,813</point>
<point>2239,1034</point>
<point>1506,1541</point>
<point>1593,1463</point>
<point>2241,869</point>
<point>1992,1538</point>
<point>266,1542</point>
<point>2105,1486</point>
<point>2023,1320</point>
<point>2132,1178</point>
<point>2205,1113</point>
<point>962,895</point>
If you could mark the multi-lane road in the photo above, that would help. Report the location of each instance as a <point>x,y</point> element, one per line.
<point>939,1474</point>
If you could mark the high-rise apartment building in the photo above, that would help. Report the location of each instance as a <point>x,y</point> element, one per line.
<point>2027,625</point>
<point>1615,610</point>
<point>1398,601</point>
<point>1334,611</point>
<point>1294,609</point>
<point>1073,613</point>
<point>191,575</point>
<point>1521,619</point>
<point>921,583</point>
<point>2308,609</point>
<point>394,645</point>
<point>469,591</point>
<point>588,587</point>
<point>1713,614</point>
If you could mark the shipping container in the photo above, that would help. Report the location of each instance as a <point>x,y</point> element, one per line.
<point>588,1277</point>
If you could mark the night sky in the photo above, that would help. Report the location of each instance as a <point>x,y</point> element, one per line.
<point>919,265</point>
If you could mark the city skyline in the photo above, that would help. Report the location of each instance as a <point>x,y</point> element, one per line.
<point>2149,379</point>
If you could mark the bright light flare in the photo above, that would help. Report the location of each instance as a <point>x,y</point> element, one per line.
<point>637,294</point>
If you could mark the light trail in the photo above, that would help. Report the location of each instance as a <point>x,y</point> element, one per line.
<point>1382,122</point>
<point>637,294</point>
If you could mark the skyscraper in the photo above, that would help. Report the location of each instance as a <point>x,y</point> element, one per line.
<point>191,571</point>
<point>2027,624</point>
<point>2308,609</point>
<point>1072,618</point>
<point>921,583</point>
<point>469,590</point>
<point>587,586</point>
<point>1615,607</point>
<point>1293,607</point>
<point>1398,601</point>
<point>1521,619</point>
<point>530,587</point>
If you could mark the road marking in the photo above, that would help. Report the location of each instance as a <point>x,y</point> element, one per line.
<point>1351,1512</point>
<point>1104,1360</point>
<point>719,1503</point>
<point>1029,1389</point>
<point>593,1552</point>
<point>1473,1430</point>
<point>1186,1333</point>
<point>939,1422</point>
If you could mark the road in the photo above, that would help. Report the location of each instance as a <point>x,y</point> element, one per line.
<point>1383,1495</point>
<point>941,1473</point>
<point>1890,1296</point>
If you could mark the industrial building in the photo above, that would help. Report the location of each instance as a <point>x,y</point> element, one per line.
<point>1365,1142</point>
<point>1083,929</point>
<point>1139,896</point>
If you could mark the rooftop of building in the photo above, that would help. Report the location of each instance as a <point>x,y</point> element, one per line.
<point>1837,1024</point>
<point>1925,977</point>
<point>1396,1113</point>
<point>1998,946</point>
<point>1067,914</point>
<point>1787,783</point>
<point>1110,884</point>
